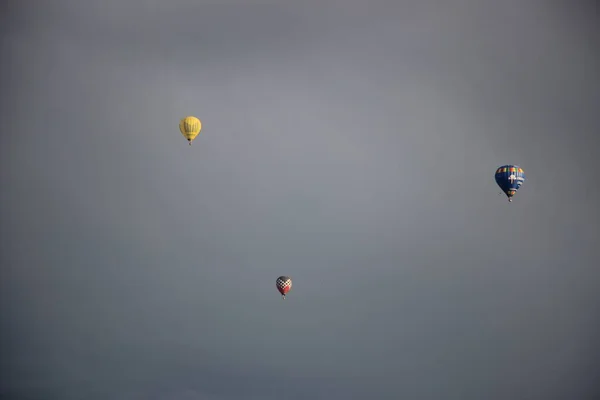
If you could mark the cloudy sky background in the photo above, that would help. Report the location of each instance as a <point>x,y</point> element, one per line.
<point>352,148</point>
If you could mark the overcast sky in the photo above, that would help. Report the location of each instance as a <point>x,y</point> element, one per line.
<point>351,148</point>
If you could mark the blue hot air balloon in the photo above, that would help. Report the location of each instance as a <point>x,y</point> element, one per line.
<point>510,178</point>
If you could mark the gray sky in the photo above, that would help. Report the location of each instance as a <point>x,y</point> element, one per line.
<point>352,149</point>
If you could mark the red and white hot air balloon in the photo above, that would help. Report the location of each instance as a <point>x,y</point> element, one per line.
<point>284,284</point>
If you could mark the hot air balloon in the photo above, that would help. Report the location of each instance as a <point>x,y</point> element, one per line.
<point>190,127</point>
<point>510,178</point>
<point>284,284</point>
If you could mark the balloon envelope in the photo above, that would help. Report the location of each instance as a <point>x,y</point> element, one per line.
<point>510,178</point>
<point>190,127</point>
<point>284,284</point>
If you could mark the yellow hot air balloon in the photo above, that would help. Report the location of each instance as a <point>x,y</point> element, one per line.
<point>190,127</point>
